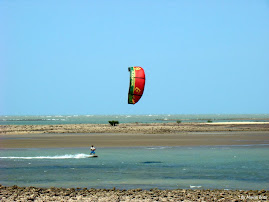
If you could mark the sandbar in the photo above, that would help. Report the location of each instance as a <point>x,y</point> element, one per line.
<point>132,135</point>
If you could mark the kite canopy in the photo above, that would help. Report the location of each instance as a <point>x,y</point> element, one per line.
<point>137,83</point>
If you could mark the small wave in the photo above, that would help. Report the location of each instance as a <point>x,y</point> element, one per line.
<point>158,147</point>
<point>192,187</point>
<point>66,156</point>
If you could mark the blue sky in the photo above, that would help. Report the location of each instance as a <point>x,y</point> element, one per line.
<point>72,57</point>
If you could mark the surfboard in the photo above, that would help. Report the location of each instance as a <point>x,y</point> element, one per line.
<point>91,156</point>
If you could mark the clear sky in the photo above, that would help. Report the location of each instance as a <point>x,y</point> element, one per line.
<point>72,57</point>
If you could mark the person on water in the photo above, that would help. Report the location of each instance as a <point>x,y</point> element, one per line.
<point>92,150</point>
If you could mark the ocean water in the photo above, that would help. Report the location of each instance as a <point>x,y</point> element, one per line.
<point>150,118</point>
<point>202,167</point>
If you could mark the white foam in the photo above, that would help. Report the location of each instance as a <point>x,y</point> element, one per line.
<point>158,147</point>
<point>238,123</point>
<point>192,187</point>
<point>66,156</point>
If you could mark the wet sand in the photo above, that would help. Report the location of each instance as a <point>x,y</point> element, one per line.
<point>133,140</point>
<point>126,135</point>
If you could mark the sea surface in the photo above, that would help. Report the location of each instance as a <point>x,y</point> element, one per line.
<point>150,118</point>
<point>202,167</point>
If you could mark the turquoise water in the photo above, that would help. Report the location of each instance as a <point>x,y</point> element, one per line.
<point>150,118</point>
<point>203,167</point>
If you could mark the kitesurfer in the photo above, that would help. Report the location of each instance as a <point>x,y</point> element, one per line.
<point>92,150</point>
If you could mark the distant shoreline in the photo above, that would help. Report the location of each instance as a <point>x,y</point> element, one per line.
<point>145,128</point>
<point>130,119</point>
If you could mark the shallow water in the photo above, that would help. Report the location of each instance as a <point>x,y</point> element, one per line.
<point>103,119</point>
<point>204,167</point>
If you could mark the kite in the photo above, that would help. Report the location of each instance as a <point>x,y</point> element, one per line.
<point>137,84</point>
